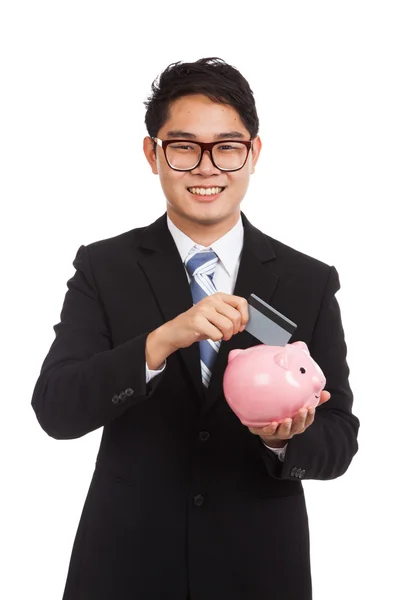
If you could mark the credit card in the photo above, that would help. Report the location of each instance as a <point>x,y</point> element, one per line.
<point>267,324</point>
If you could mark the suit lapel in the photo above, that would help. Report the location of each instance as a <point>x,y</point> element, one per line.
<point>162,265</point>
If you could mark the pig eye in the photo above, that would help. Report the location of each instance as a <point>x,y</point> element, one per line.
<point>302,370</point>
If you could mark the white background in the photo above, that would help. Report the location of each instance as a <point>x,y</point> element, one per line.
<point>73,79</point>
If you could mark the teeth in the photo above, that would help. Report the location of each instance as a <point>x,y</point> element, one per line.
<point>205,191</point>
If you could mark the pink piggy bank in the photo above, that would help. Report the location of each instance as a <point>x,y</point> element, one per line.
<point>271,383</point>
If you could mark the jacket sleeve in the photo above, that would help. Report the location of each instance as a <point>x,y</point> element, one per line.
<point>85,382</point>
<point>326,448</point>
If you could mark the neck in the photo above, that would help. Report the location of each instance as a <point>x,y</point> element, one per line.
<point>205,232</point>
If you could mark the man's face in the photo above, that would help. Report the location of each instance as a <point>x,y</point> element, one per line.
<point>197,118</point>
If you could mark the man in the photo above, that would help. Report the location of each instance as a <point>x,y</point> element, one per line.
<point>185,501</point>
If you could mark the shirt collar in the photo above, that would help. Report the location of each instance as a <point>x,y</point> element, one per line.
<point>228,248</point>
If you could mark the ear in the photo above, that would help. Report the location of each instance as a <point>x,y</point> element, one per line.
<point>255,153</point>
<point>233,353</point>
<point>302,346</point>
<point>281,360</point>
<point>148,149</point>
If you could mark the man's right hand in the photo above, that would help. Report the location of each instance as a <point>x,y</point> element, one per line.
<point>216,317</point>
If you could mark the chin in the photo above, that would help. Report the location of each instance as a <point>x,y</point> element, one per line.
<point>204,213</point>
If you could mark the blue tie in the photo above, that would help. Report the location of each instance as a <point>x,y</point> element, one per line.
<point>201,267</point>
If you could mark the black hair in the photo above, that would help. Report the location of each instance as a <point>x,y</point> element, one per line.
<point>211,77</point>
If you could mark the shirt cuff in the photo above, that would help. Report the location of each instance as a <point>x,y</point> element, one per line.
<point>150,373</point>
<point>280,452</point>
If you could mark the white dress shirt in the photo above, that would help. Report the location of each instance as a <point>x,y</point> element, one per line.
<point>228,249</point>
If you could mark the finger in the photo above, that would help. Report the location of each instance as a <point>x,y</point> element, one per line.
<point>310,416</point>
<point>240,304</point>
<point>325,396</point>
<point>284,430</point>
<point>270,429</point>
<point>223,323</point>
<point>204,329</point>
<point>299,421</point>
<point>231,313</point>
<point>266,431</point>
<point>212,325</point>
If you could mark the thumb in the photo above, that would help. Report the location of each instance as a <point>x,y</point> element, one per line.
<point>325,395</point>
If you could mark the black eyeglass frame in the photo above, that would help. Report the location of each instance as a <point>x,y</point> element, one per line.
<point>204,146</point>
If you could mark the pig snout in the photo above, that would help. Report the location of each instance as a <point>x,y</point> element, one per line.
<point>317,383</point>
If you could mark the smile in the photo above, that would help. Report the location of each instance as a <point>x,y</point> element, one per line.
<point>201,191</point>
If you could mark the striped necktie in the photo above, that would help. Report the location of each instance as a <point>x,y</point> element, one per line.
<point>201,267</point>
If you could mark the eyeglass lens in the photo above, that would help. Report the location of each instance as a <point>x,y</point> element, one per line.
<point>231,155</point>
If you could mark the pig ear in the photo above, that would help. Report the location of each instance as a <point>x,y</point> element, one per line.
<point>302,346</point>
<point>233,354</point>
<point>281,360</point>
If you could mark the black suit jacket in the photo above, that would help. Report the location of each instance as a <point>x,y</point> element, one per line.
<point>184,499</point>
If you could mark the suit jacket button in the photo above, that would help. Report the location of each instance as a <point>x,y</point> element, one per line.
<point>129,391</point>
<point>198,500</point>
<point>302,473</point>
<point>293,472</point>
<point>298,473</point>
<point>115,399</point>
<point>122,396</point>
<point>204,436</point>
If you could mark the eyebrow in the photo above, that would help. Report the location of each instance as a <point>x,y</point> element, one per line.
<point>227,135</point>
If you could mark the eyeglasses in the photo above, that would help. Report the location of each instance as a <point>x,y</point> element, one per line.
<point>184,155</point>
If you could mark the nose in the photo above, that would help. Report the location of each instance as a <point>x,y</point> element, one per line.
<point>317,382</point>
<point>205,167</point>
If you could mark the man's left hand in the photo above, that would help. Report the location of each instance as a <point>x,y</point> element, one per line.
<point>277,434</point>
